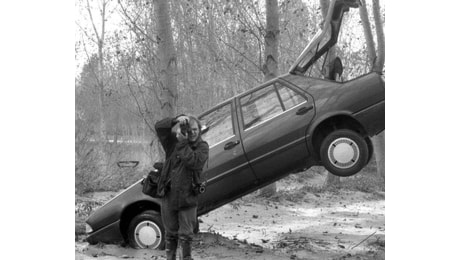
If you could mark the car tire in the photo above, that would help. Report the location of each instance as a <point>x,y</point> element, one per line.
<point>146,231</point>
<point>344,152</point>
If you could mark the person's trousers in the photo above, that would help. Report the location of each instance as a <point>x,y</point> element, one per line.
<point>179,225</point>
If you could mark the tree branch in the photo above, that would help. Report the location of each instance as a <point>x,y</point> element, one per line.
<point>92,20</point>
<point>240,53</point>
<point>133,23</point>
<point>137,103</point>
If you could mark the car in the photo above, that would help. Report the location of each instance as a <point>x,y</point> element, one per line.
<point>260,136</point>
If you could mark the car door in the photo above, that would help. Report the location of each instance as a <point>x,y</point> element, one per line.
<point>274,119</point>
<point>228,173</point>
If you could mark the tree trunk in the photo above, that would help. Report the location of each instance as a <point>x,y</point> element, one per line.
<point>168,59</point>
<point>379,147</point>
<point>380,62</point>
<point>376,62</point>
<point>102,129</point>
<point>379,140</point>
<point>330,179</point>
<point>363,13</point>
<point>99,40</point>
<point>270,67</point>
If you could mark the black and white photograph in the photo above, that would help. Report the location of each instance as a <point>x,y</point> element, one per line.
<point>229,129</point>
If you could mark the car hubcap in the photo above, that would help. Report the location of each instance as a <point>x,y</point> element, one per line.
<point>147,234</point>
<point>343,153</point>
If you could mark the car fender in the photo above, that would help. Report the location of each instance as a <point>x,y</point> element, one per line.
<point>316,121</point>
<point>114,209</point>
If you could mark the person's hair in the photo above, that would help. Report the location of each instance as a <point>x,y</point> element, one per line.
<point>192,118</point>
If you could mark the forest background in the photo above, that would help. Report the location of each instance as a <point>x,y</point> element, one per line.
<point>138,61</point>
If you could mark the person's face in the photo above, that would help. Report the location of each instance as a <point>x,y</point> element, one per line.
<point>194,131</point>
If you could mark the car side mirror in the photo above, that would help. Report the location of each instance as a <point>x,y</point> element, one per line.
<point>127,164</point>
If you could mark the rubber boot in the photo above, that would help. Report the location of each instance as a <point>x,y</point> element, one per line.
<point>186,250</point>
<point>171,246</point>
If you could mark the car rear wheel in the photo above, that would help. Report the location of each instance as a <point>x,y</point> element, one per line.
<point>146,231</point>
<point>344,152</point>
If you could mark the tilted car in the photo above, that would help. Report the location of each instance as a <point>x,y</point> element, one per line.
<point>263,134</point>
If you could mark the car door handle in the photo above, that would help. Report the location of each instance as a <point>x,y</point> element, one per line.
<point>304,110</point>
<point>230,145</point>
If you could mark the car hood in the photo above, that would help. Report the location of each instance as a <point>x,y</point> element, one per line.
<point>112,210</point>
<point>326,37</point>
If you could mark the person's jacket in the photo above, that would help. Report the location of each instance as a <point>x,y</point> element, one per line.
<point>183,166</point>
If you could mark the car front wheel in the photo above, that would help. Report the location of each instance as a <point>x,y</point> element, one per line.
<point>344,152</point>
<point>146,231</point>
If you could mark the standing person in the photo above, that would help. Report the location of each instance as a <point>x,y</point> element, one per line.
<point>186,155</point>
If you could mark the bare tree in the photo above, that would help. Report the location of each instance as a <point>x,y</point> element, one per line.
<point>270,67</point>
<point>99,39</point>
<point>376,61</point>
<point>331,179</point>
<point>168,60</point>
<point>380,62</point>
<point>364,15</point>
<point>379,140</point>
<point>98,24</point>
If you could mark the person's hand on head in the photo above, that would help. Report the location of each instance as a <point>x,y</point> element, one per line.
<point>182,120</point>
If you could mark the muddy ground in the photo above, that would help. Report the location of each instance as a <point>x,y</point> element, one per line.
<point>301,221</point>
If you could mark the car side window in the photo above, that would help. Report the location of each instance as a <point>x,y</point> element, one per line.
<point>289,97</point>
<point>219,122</point>
<point>260,105</point>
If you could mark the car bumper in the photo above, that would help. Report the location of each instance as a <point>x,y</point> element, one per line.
<point>373,118</point>
<point>108,234</point>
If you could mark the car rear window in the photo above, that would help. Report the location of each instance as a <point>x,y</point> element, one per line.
<point>289,97</point>
<point>260,105</point>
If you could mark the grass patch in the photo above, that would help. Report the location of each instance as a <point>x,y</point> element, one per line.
<point>113,179</point>
<point>97,170</point>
